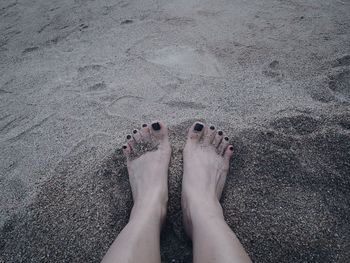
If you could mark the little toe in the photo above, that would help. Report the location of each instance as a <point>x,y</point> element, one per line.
<point>145,132</point>
<point>130,141</point>
<point>137,135</point>
<point>218,138</point>
<point>209,134</point>
<point>228,153</point>
<point>159,131</point>
<point>223,145</point>
<point>196,132</point>
<point>126,150</point>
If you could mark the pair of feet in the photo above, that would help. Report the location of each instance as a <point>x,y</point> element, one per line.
<point>206,160</point>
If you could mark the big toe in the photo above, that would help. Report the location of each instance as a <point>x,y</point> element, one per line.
<point>196,132</point>
<point>159,132</point>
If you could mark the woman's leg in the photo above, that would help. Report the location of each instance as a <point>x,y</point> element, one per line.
<point>206,163</point>
<point>148,155</point>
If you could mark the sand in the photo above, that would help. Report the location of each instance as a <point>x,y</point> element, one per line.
<point>77,76</point>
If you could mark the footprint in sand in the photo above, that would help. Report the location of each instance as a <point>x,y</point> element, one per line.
<point>129,105</point>
<point>296,125</point>
<point>337,83</point>
<point>97,87</point>
<point>90,69</point>
<point>186,60</point>
<point>340,83</point>
<point>342,61</point>
<point>30,49</point>
<point>273,70</point>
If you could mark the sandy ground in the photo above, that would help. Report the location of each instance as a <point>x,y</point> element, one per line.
<point>76,76</point>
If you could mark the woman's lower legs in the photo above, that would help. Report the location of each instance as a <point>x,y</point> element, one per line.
<point>213,240</point>
<point>139,240</point>
<point>206,163</point>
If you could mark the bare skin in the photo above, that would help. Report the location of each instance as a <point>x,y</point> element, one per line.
<point>206,163</point>
<point>148,175</point>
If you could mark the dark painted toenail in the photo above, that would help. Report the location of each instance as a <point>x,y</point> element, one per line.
<point>134,131</point>
<point>198,127</point>
<point>226,138</point>
<point>128,137</point>
<point>144,125</point>
<point>220,133</point>
<point>212,127</point>
<point>124,147</point>
<point>156,126</point>
<point>231,148</point>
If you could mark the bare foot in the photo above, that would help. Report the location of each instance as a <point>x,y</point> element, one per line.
<point>206,163</point>
<point>148,154</point>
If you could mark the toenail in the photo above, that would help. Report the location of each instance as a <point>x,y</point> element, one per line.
<point>226,138</point>
<point>134,131</point>
<point>124,147</point>
<point>198,127</point>
<point>128,137</point>
<point>156,126</point>
<point>212,127</point>
<point>231,148</point>
<point>144,125</point>
<point>220,133</point>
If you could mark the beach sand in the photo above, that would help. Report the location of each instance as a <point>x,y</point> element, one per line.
<point>77,76</point>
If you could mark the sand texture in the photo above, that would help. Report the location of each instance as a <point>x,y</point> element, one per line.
<point>77,76</point>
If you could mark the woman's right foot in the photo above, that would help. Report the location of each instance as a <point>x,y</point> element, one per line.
<point>206,163</point>
<point>148,154</point>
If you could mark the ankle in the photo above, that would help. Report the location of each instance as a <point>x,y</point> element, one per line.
<point>151,210</point>
<point>200,210</point>
<point>210,207</point>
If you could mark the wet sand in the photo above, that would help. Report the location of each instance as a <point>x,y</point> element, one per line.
<point>77,76</point>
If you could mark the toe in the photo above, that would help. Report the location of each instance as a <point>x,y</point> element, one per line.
<point>136,135</point>
<point>159,131</point>
<point>145,132</point>
<point>218,138</point>
<point>126,150</point>
<point>228,153</point>
<point>130,141</point>
<point>223,145</point>
<point>209,134</point>
<point>196,132</point>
